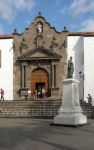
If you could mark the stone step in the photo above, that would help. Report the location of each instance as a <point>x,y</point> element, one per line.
<point>37,108</point>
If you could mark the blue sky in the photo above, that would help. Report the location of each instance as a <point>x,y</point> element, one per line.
<point>76,15</point>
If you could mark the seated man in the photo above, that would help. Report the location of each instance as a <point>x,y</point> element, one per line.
<point>89,99</point>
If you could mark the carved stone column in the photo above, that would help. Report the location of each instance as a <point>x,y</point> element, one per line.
<point>54,88</point>
<point>26,75</point>
<point>52,75</point>
<point>56,70</point>
<point>22,76</point>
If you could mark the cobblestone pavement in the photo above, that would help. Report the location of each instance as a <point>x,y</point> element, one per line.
<point>38,134</point>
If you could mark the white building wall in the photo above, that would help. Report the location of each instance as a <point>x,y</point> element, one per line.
<point>89,67</point>
<point>6,70</point>
<point>76,50</point>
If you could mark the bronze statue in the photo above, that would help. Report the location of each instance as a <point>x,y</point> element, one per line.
<point>70,68</point>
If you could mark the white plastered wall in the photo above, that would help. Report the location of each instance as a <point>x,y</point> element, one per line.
<point>89,67</point>
<point>76,50</point>
<point>6,70</point>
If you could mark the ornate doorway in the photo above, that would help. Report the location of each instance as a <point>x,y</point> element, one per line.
<point>39,80</point>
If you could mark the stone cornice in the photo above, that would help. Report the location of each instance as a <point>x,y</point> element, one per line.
<point>48,54</point>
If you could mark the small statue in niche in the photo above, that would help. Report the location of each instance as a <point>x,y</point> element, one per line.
<point>70,68</point>
<point>39,27</point>
<point>24,41</point>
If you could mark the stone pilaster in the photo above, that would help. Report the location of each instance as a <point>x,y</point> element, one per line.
<point>56,70</point>
<point>22,76</point>
<point>54,88</point>
<point>52,75</point>
<point>26,75</point>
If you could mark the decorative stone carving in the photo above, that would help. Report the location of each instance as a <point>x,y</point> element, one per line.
<point>24,45</point>
<point>38,40</point>
<point>64,44</point>
<point>39,28</point>
<point>39,13</point>
<point>24,42</point>
<point>54,43</point>
<point>15,31</point>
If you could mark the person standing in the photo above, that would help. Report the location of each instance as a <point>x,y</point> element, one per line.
<point>29,94</point>
<point>2,94</point>
<point>43,93</point>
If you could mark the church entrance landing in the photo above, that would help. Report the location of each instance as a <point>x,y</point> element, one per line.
<point>39,81</point>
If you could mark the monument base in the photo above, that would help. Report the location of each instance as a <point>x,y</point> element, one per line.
<point>70,119</point>
<point>70,112</point>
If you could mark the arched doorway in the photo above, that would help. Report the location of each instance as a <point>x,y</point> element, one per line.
<point>39,80</point>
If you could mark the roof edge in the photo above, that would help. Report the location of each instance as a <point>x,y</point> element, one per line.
<point>80,33</point>
<point>6,36</point>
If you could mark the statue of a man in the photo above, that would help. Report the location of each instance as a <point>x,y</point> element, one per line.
<point>70,68</point>
<point>39,27</point>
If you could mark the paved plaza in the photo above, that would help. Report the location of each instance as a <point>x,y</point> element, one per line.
<point>38,134</point>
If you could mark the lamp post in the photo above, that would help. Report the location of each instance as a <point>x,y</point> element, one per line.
<point>82,76</point>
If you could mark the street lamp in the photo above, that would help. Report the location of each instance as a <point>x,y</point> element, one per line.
<point>81,75</point>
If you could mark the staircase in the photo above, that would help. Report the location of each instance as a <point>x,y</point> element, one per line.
<point>87,108</point>
<point>36,109</point>
<point>42,108</point>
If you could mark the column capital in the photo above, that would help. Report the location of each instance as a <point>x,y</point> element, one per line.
<point>54,63</point>
<point>24,64</point>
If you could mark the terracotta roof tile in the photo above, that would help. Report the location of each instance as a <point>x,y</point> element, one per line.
<point>6,36</point>
<point>81,33</point>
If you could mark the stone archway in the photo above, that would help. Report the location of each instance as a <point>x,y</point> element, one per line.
<point>39,76</point>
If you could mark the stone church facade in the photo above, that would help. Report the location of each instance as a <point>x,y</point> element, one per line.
<point>39,60</point>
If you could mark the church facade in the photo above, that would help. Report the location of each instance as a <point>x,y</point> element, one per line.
<point>40,60</point>
<point>37,59</point>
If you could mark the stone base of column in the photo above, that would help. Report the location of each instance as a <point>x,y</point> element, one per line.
<point>24,92</point>
<point>54,92</point>
<point>70,112</point>
<point>70,119</point>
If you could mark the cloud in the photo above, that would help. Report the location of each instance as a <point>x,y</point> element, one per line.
<point>1,29</point>
<point>9,8</point>
<point>63,10</point>
<point>81,6</point>
<point>28,22</point>
<point>87,25</point>
<point>73,26</point>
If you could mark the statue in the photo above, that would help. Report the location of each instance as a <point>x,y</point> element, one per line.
<point>39,27</point>
<point>70,68</point>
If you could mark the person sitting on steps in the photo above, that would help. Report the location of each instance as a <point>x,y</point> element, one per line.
<point>89,99</point>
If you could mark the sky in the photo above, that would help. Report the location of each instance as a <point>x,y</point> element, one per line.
<point>76,15</point>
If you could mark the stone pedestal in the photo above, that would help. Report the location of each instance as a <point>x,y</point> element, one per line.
<point>24,92</point>
<point>54,91</point>
<point>70,112</point>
